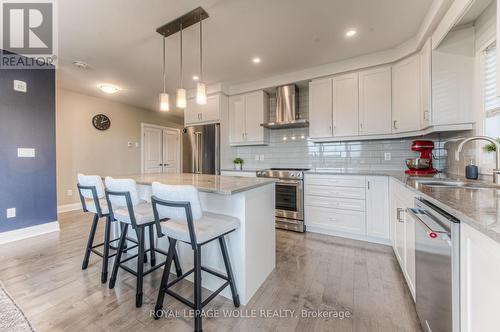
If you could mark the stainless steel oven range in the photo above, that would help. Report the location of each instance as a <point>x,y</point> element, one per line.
<point>289,197</point>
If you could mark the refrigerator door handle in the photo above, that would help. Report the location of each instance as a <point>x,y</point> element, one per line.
<point>217,150</point>
<point>199,152</point>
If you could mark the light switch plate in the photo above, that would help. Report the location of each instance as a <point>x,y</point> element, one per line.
<point>387,156</point>
<point>11,213</point>
<point>26,152</point>
<point>20,86</point>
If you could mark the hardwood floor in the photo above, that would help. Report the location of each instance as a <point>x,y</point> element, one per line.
<point>313,273</point>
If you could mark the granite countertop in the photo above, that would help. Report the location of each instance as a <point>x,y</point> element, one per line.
<point>479,208</point>
<point>249,170</point>
<point>223,185</point>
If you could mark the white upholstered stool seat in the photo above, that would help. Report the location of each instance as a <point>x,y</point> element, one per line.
<point>208,227</point>
<point>92,208</point>
<point>143,214</point>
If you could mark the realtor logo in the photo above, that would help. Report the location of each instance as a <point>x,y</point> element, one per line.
<point>28,34</point>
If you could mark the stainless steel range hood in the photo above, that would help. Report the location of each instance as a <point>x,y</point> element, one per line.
<point>287,106</point>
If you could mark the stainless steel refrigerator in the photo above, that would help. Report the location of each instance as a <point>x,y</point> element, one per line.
<point>201,149</point>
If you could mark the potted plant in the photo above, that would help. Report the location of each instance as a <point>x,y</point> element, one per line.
<point>491,147</point>
<point>238,164</point>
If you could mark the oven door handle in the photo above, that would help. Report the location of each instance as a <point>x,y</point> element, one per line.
<point>294,182</point>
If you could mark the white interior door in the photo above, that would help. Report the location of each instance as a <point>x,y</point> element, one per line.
<point>160,150</point>
<point>170,151</point>
<point>152,150</point>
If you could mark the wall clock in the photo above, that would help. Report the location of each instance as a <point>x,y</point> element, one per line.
<point>101,122</point>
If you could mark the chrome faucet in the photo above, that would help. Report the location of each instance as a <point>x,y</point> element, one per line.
<point>496,171</point>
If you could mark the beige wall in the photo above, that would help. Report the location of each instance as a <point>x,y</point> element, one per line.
<point>82,148</point>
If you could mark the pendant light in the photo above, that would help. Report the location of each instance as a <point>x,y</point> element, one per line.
<point>164,102</point>
<point>201,89</point>
<point>181,93</point>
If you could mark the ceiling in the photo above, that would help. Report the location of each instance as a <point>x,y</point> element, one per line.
<point>118,40</point>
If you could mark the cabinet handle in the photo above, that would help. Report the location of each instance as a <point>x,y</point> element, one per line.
<point>368,185</point>
<point>361,125</point>
<point>395,124</point>
<point>398,214</point>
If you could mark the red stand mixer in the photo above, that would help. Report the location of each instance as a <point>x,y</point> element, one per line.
<point>422,165</point>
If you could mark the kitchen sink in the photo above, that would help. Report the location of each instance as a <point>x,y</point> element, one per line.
<point>448,183</point>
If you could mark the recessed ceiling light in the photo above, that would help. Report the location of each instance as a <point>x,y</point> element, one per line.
<point>256,60</point>
<point>108,88</point>
<point>80,64</point>
<point>195,78</point>
<point>350,33</point>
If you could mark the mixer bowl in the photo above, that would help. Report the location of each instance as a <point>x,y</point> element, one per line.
<point>418,163</point>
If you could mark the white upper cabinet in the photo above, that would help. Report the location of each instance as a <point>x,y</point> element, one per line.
<point>345,105</point>
<point>425,84</point>
<point>375,101</point>
<point>202,114</point>
<point>246,114</point>
<point>320,108</point>
<point>237,119</point>
<point>406,111</point>
<point>191,112</point>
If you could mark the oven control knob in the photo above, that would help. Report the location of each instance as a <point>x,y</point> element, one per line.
<point>297,175</point>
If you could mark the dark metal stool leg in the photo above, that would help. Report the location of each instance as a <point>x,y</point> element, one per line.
<point>140,266</point>
<point>105,254</point>
<point>90,242</point>
<point>229,271</point>
<point>122,226</point>
<point>152,245</point>
<point>118,257</point>
<point>178,269</point>
<point>197,289</point>
<point>164,278</point>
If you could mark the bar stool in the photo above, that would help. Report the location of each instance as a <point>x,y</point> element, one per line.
<point>128,209</point>
<point>187,223</point>
<point>91,191</point>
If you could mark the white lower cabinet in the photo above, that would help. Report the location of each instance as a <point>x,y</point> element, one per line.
<point>377,207</point>
<point>348,206</point>
<point>479,281</point>
<point>403,231</point>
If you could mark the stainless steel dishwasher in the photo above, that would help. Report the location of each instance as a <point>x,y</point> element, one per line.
<point>437,267</point>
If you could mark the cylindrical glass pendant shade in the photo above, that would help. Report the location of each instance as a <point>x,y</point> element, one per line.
<point>201,93</point>
<point>164,102</point>
<point>181,98</point>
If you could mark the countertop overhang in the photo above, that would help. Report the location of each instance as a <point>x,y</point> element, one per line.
<point>222,185</point>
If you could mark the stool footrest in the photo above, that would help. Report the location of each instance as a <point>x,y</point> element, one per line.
<point>173,282</point>
<point>214,294</point>
<point>98,253</point>
<point>180,298</point>
<point>215,273</point>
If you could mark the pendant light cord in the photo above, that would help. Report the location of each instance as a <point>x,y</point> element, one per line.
<point>164,65</point>
<point>181,56</point>
<point>201,52</point>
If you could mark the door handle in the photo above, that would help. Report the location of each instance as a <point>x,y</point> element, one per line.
<point>395,124</point>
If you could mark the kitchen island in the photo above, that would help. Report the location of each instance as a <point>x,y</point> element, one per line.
<point>251,247</point>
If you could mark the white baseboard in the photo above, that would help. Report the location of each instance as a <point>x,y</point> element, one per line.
<point>68,207</point>
<point>24,233</point>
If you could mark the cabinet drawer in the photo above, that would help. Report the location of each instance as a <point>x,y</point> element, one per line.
<point>334,191</point>
<point>335,202</point>
<point>335,180</point>
<point>334,219</point>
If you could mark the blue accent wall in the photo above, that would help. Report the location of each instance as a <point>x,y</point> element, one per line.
<point>27,120</point>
